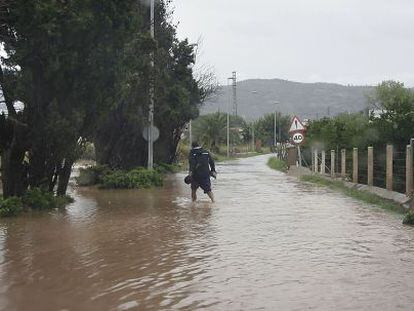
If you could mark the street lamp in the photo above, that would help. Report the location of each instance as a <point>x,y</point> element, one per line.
<point>253,138</point>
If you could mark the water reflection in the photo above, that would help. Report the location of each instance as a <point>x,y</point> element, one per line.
<point>269,243</point>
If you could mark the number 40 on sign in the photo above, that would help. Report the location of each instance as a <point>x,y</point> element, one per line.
<point>298,138</point>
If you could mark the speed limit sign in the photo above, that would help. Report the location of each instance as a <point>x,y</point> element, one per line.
<point>297,131</point>
<point>298,138</point>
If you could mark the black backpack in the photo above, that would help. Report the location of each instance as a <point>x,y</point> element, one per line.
<point>202,163</point>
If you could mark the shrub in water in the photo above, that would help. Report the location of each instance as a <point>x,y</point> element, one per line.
<point>10,207</point>
<point>145,178</point>
<point>165,168</point>
<point>34,198</point>
<point>409,218</point>
<point>42,200</point>
<point>37,199</point>
<point>136,178</point>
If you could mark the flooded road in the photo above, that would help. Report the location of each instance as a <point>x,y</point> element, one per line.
<point>269,243</point>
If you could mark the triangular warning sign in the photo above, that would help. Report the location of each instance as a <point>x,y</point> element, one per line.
<point>296,125</point>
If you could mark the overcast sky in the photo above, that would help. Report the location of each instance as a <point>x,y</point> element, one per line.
<point>343,41</point>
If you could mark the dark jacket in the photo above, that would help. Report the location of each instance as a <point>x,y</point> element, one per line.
<point>201,162</point>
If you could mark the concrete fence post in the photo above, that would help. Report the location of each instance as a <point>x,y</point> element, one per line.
<point>389,173</point>
<point>312,160</point>
<point>409,171</point>
<point>333,163</point>
<point>315,161</point>
<point>323,163</point>
<point>355,166</point>
<point>370,166</point>
<point>343,163</point>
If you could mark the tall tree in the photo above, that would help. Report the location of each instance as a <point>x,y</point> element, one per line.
<point>395,121</point>
<point>67,61</point>
<point>178,95</point>
<point>264,128</point>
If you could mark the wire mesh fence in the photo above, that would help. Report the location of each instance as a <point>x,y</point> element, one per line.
<point>397,170</point>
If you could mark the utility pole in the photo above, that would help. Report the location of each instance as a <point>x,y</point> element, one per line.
<point>253,142</point>
<point>190,134</point>
<point>275,127</point>
<point>151,93</point>
<point>280,127</point>
<point>228,121</point>
<point>234,78</point>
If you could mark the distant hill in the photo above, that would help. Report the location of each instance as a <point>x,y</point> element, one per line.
<point>307,100</point>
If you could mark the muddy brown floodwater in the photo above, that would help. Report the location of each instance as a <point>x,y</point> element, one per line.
<point>269,243</point>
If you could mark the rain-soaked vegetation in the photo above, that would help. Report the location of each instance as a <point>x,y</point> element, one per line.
<point>388,119</point>
<point>392,124</point>
<point>277,164</point>
<point>79,73</point>
<point>409,218</point>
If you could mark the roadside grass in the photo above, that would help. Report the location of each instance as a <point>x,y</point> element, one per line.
<point>360,195</point>
<point>409,218</point>
<point>277,164</point>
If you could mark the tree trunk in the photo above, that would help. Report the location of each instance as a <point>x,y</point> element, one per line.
<point>14,172</point>
<point>166,147</point>
<point>119,142</point>
<point>55,178</point>
<point>41,170</point>
<point>64,176</point>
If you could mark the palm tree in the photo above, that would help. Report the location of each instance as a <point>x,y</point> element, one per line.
<point>210,130</point>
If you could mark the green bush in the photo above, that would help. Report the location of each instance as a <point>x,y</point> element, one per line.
<point>35,199</point>
<point>136,178</point>
<point>409,218</point>
<point>10,207</point>
<point>119,179</point>
<point>164,168</point>
<point>38,199</point>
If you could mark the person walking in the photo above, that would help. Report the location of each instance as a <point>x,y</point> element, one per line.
<point>201,166</point>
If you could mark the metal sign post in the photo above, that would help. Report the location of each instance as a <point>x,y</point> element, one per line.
<point>300,157</point>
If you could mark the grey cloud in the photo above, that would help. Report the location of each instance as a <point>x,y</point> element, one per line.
<point>345,41</point>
